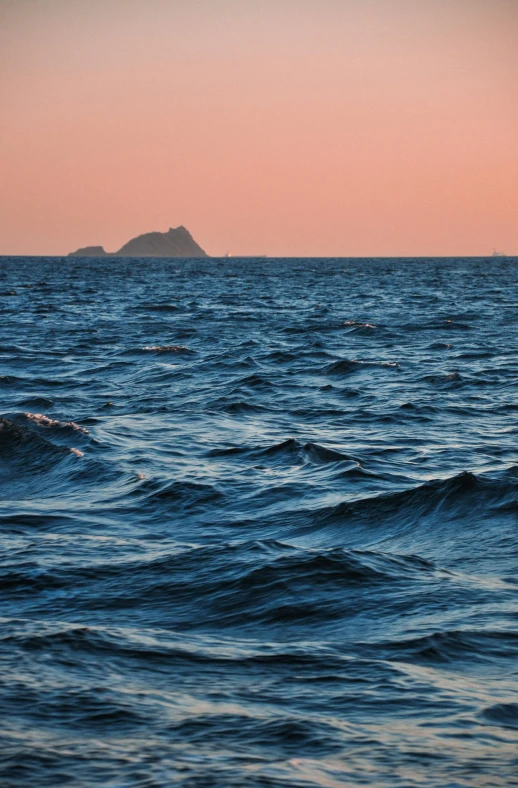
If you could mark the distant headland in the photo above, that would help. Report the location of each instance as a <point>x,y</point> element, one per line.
<point>174,243</point>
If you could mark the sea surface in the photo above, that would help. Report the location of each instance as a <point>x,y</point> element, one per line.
<point>259,523</point>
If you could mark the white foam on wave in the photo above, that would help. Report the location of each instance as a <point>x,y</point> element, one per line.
<point>44,421</point>
<point>356,324</point>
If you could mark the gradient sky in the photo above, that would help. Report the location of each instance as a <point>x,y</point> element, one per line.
<point>280,127</point>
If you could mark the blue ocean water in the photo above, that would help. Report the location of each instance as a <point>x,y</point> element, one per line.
<point>258,523</point>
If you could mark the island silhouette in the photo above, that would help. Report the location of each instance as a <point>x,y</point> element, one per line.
<point>176,242</point>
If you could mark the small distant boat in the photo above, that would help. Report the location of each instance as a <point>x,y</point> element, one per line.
<point>498,254</point>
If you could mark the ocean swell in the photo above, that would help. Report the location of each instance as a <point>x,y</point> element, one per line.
<point>258,523</point>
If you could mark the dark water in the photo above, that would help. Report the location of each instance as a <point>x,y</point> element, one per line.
<point>259,523</point>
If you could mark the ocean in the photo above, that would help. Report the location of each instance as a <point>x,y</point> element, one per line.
<point>259,522</point>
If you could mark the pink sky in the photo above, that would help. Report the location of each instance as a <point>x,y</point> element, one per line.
<point>279,127</point>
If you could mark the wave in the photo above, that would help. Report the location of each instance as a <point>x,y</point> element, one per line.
<point>41,402</point>
<point>322,455</point>
<point>345,366</point>
<point>45,421</point>
<point>23,444</point>
<point>480,645</point>
<point>504,715</point>
<point>429,515</point>
<point>443,324</point>
<point>33,382</point>
<point>176,494</point>
<point>357,327</point>
<point>454,380</point>
<point>254,381</point>
<point>39,459</point>
<point>237,406</point>
<point>166,349</point>
<point>164,646</point>
<point>232,584</point>
<point>290,451</point>
<point>446,379</point>
<point>158,307</point>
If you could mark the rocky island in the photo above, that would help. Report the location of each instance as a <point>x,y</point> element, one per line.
<point>174,243</point>
<point>89,251</point>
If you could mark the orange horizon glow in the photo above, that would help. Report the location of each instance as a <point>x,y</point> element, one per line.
<point>329,128</point>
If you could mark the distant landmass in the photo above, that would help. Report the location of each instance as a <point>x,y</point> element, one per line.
<point>174,243</point>
<point>89,251</point>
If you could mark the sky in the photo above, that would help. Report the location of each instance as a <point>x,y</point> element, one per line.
<point>278,127</point>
